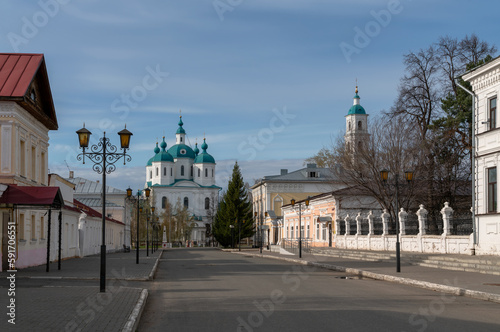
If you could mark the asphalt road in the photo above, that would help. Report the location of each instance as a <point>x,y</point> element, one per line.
<point>210,290</point>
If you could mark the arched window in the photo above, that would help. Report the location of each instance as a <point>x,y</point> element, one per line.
<point>181,139</point>
<point>186,202</point>
<point>172,171</point>
<point>150,174</point>
<point>199,172</point>
<point>156,171</point>
<point>207,203</point>
<point>360,125</point>
<point>212,172</point>
<point>164,171</point>
<point>191,170</point>
<point>206,172</point>
<point>182,170</point>
<point>349,125</point>
<point>163,202</point>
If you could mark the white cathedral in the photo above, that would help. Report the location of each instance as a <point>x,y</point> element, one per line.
<point>181,173</point>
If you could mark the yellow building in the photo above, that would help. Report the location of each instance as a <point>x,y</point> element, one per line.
<point>270,193</point>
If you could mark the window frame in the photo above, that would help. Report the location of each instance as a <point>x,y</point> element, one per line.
<point>491,193</point>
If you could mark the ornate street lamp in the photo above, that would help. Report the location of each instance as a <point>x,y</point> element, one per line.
<point>104,156</point>
<point>384,175</point>
<point>306,202</point>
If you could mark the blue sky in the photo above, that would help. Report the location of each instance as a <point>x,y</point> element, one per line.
<point>267,82</point>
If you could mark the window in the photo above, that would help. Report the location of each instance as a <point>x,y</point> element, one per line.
<point>349,126</point>
<point>23,158</point>
<point>360,125</point>
<point>493,112</point>
<point>163,202</point>
<point>21,227</point>
<point>312,174</point>
<point>212,172</point>
<point>33,227</point>
<point>206,172</point>
<point>150,174</point>
<point>191,170</point>
<point>42,168</point>
<point>207,203</point>
<point>172,171</point>
<point>42,228</point>
<point>182,170</point>
<point>492,189</point>
<point>291,232</point>
<point>156,171</point>
<point>323,232</point>
<point>317,231</point>
<point>33,163</point>
<point>308,234</point>
<point>181,139</point>
<point>199,172</point>
<point>164,171</point>
<point>186,202</point>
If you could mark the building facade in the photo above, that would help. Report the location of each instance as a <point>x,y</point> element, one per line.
<point>184,176</point>
<point>485,82</point>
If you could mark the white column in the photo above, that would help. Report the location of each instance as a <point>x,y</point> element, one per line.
<point>370,223</point>
<point>422,219</point>
<point>446,213</point>
<point>358,223</point>
<point>385,222</point>
<point>402,221</point>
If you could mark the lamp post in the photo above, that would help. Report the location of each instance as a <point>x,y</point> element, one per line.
<point>300,221</point>
<point>103,155</point>
<point>152,213</point>
<point>232,235</point>
<point>147,192</point>
<point>384,175</point>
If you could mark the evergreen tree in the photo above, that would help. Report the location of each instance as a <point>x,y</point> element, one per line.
<point>234,209</point>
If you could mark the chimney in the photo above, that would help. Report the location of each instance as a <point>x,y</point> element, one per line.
<point>71,174</point>
<point>284,171</point>
<point>311,165</point>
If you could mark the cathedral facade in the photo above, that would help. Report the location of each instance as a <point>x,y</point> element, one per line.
<point>186,176</point>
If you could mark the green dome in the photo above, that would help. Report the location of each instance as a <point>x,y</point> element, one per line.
<point>204,157</point>
<point>356,109</point>
<point>162,156</point>
<point>181,151</point>
<point>196,150</point>
<point>180,130</point>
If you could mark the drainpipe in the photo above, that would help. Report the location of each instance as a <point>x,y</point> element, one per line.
<point>474,231</point>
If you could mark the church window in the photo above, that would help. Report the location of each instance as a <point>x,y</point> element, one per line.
<point>181,141</point>
<point>191,170</point>
<point>186,202</point>
<point>206,172</point>
<point>172,171</point>
<point>182,170</point>
<point>164,171</point>
<point>360,125</point>
<point>349,124</point>
<point>163,202</point>
<point>212,172</point>
<point>156,171</point>
<point>199,172</point>
<point>207,203</point>
<point>150,174</point>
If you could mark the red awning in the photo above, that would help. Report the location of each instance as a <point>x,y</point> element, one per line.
<point>24,195</point>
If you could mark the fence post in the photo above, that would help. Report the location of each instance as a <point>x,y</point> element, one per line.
<point>422,219</point>
<point>358,223</point>
<point>385,222</point>
<point>347,220</point>
<point>370,223</point>
<point>402,221</point>
<point>446,213</point>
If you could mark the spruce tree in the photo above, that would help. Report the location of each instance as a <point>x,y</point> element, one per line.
<point>234,209</point>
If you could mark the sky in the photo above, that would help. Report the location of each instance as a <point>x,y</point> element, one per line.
<point>267,83</point>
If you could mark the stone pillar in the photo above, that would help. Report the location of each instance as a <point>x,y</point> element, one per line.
<point>164,242</point>
<point>402,221</point>
<point>347,221</point>
<point>370,223</point>
<point>422,219</point>
<point>337,226</point>
<point>358,223</point>
<point>446,213</point>
<point>385,222</point>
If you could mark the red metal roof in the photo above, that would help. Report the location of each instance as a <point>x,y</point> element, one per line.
<point>17,72</point>
<point>24,195</point>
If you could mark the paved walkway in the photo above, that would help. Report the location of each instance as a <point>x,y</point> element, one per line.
<point>475,285</point>
<point>80,307</point>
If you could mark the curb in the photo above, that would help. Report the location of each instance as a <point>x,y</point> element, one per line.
<point>458,291</point>
<point>155,267</point>
<point>133,319</point>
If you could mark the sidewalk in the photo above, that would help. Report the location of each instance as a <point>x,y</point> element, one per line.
<point>80,307</point>
<point>475,285</point>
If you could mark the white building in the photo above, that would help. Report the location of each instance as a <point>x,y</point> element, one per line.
<point>485,81</point>
<point>181,174</point>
